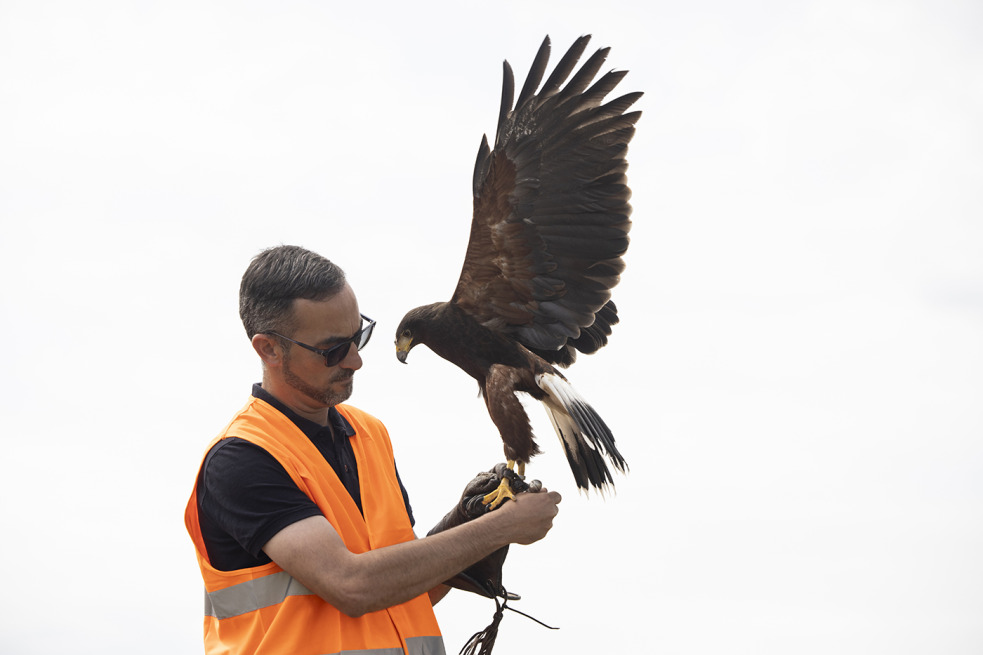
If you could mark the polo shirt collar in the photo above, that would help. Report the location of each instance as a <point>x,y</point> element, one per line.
<point>339,424</point>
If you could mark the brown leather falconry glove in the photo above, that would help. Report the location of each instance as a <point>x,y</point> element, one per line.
<point>484,577</point>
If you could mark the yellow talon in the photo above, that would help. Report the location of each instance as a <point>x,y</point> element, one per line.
<point>504,491</point>
<point>497,497</point>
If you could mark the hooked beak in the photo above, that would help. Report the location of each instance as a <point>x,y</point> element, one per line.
<point>403,346</point>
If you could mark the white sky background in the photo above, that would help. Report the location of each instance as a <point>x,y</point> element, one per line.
<point>796,382</point>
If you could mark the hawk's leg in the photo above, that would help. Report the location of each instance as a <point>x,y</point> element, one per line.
<point>504,491</point>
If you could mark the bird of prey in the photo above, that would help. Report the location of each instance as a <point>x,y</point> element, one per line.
<point>549,229</point>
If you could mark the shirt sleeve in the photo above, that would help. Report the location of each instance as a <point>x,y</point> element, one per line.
<point>247,494</point>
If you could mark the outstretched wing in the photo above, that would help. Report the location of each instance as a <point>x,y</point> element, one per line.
<point>551,210</point>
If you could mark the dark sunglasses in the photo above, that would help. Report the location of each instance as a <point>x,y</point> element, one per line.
<point>333,355</point>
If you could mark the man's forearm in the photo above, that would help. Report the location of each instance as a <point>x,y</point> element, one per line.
<point>389,576</point>
<point>312,552</point>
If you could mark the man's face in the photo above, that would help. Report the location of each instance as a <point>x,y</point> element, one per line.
<point>323,324</point>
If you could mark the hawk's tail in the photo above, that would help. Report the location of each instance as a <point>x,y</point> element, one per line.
<point>586,438</point>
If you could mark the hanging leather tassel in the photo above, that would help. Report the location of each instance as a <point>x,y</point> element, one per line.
<point>481,643</point>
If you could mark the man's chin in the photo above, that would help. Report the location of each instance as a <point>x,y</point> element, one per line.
<point>346,392</point>
<point>338,392</point>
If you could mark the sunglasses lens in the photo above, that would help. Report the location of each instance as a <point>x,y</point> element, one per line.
<point>335,354</point>
<point>362,338</point>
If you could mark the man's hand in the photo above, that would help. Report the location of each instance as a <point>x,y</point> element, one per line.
<point>523,521</point>
<point>531,515</point>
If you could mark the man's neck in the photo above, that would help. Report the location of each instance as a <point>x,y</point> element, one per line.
<point>297,402</point>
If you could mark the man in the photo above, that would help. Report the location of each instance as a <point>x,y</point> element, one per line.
<point>302,527</point>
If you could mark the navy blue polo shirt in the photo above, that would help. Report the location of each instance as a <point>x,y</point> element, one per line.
<point>245,496</point>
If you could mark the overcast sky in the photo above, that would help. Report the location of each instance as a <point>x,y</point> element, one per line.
<point>796,382</point>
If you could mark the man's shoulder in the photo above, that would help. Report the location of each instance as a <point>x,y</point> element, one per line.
<point>235,453</point>
<point>361,422</point>
<point>351,412</point>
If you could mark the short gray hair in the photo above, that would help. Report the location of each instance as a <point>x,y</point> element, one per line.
<point>278,276</point>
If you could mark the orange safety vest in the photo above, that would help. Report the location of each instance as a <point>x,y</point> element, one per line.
<point>263,610</point>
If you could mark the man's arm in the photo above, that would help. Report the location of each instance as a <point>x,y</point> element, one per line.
<point>311,551</point>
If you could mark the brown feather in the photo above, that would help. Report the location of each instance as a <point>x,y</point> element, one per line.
<point>551,204</point>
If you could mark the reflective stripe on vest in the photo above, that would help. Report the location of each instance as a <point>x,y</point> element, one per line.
<point>425,645</point>
<point>252,595</point>
<point>414,645</point>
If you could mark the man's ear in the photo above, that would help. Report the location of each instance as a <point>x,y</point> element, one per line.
<point>269,349</point>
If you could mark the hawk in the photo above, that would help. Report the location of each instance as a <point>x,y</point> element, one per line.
<point>548,235</point>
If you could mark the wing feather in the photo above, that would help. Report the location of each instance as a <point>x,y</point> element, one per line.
<point>535,75</point>
<point>564,67</point>
<point>551,208</point>
<point>508,89</point>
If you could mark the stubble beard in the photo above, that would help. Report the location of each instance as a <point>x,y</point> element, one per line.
<point>327,396</point>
